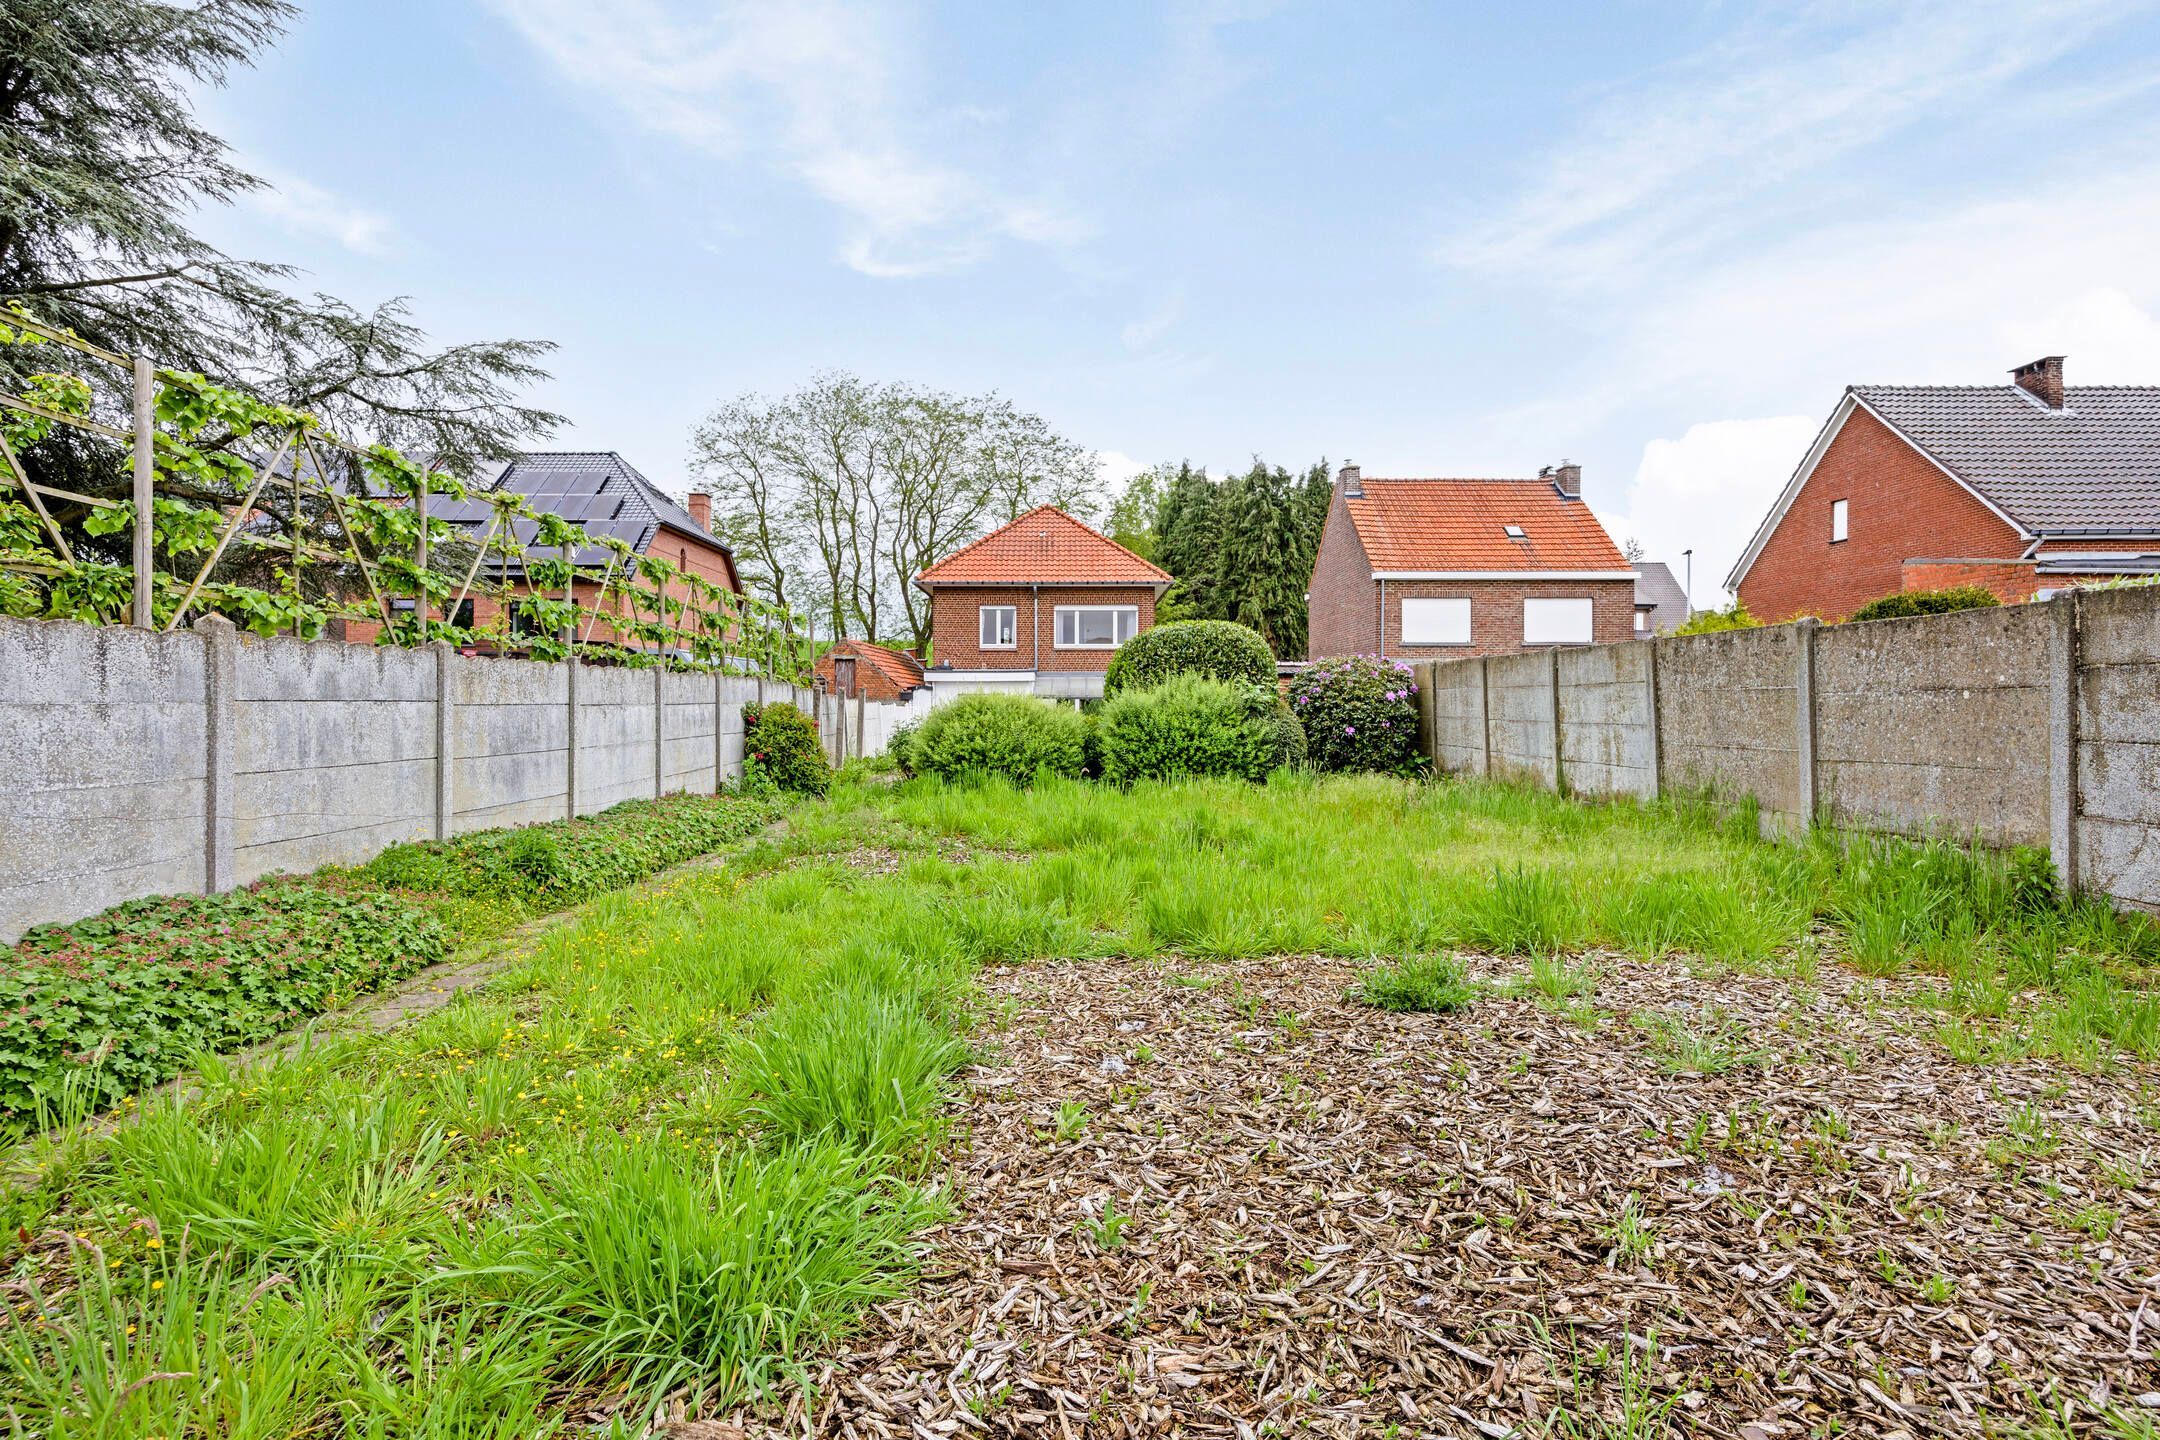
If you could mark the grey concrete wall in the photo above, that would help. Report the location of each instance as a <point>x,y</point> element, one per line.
<point>1455,718</point>
<point>333,753</point>
<point>2117,763</point>
<point>103,743</point>
<point>1518,690</point>
<point>2023,725</point>
<point>1607,744</point>
<point>145,764</point>
<point>1727,717</point>
<point>1933,717</point>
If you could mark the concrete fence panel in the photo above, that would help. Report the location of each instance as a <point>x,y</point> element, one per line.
<point>1728,718</point>
<point>333,753</point>
<point>1456,738</point>
<point>2116,762</point>
<point>1519,697</point>
<point>103,739</point>
<point>1606,742</point>
<point>1918,721</point>
<point>510,743</point>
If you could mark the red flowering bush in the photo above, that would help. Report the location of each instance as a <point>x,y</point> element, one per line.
<point>781,752</point>
<point>1360,713</point>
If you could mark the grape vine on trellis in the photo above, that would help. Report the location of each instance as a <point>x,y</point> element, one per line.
<point>662,613</point>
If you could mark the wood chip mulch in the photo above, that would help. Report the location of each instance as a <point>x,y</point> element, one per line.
<point>1247,1205</point>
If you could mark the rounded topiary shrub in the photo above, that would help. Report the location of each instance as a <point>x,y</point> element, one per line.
<point>1926,602</point>
<point>1218,649</point>
<point>781,751</point>
<point>1359,714</point>
<point>1016,736</point>
<point>1191,725</point>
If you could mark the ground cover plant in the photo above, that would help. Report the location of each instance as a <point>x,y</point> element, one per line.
<point>93,1012</point>
<point>1200,1166</point>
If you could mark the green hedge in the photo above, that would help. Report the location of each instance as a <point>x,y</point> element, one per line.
<point>1218,649</point>
<point>1015,736</point>
<point>1191,725</point>
<point>97,1010</point>
<point>781,751</point>
<point>1926,602</point>
<point>547,867</point>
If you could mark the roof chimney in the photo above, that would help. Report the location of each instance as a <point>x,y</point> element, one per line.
<point>1350,479</point>
<point>701,509</point>
<point>2042,379</point>
<point>1566,478</point>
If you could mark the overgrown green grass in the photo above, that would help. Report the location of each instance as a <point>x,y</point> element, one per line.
<point>688,1138</point>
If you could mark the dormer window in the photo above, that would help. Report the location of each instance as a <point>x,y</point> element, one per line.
<point>1514,532</point>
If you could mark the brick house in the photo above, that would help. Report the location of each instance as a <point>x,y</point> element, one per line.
<point>2024,488</point>
<point>1039,605</point>
<point>607,496</point>
<point>1432,569</point>
<point>879,672</point>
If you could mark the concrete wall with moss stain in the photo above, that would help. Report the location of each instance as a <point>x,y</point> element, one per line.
<point>2034,725</point>
<point>146,764</point>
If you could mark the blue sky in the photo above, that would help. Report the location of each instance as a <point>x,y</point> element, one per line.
<point>1436,238</point>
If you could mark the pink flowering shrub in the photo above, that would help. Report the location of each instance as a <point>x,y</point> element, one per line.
<point>1360,713</point>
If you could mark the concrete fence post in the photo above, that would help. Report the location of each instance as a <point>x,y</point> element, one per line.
<point>1552,710</point>
<point>862,739</point>
<point>1804,718</point>
<point>1484,715</point>
<point>570,781</point>
<point>141,613</point>
<point>659,731</point>
<point>720,726</point>
<point>2063,739</point>
<point>221,679</point>
<point>445,738</point>
<point>1657,750</point>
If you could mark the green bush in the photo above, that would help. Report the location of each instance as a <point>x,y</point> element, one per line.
<point>1710,622</point>
<point>780,748</point>
<point>1016,736</point>
<point>1926,602</point>
<point>898,746</point>
<point>1191,725</point>
<point>547,867</point>
<point>102,1008</point>
<point>1217,649</point>
<point>1359,714</point>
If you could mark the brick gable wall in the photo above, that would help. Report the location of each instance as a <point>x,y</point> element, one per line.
<point>955,633</point>
<point>1899,507</point>
<point>1341,608</point>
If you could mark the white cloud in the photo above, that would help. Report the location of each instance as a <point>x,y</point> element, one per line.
<point>1712,145</point>
<point>303,208</point>
<point>1707,490</point>
<point>1142,333</point>
<point>819,87</point>
<point>1117,470</point>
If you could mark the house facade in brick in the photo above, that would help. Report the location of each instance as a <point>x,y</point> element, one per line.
<point>2025,489</point>
<point>1427,569</point>
<point>606,495</point>
<point>1038,605</point>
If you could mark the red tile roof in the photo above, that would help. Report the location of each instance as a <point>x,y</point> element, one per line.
<point>902,669</point>
<point>1462,525</point>
<point>1046,546</point>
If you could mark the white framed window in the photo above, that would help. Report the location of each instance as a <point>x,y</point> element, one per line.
<point>1096,627</point>
<point>1436,621</point>
<point>997,632</point>
<point>1556,622</point>
<point>1642,621</point>
<point>1837,521</point>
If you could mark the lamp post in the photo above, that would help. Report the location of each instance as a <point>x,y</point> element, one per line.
<point>1687,587</point>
